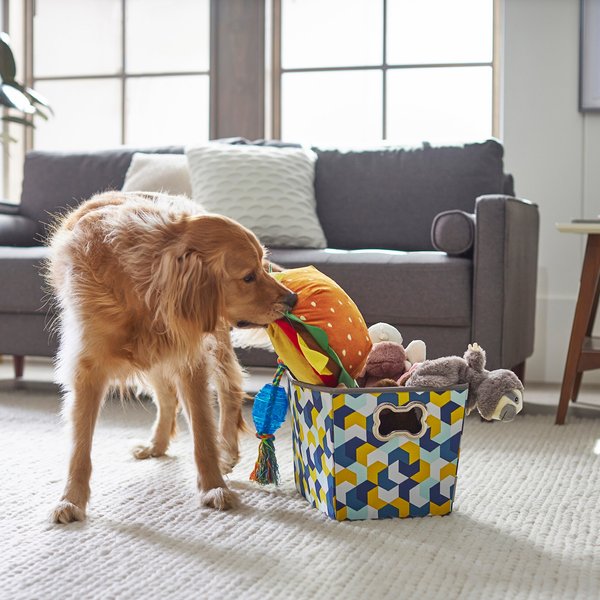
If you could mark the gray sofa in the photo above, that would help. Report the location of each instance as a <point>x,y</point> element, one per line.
<point>429,239</point>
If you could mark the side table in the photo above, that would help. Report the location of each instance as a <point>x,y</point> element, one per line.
<point>584,350</point>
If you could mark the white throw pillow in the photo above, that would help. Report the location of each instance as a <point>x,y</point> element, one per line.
<point>270,190</point>
<point>166,173</point>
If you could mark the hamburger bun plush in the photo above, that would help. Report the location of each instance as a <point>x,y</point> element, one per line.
<point>324,340</point>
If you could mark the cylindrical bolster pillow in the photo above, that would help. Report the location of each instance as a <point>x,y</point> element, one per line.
<point>453,232</point>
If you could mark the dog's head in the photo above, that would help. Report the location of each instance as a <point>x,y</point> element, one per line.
<point>219,271</point>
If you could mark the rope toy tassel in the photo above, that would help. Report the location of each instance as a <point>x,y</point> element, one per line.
<point>268,413</point>
<point>266,469</point>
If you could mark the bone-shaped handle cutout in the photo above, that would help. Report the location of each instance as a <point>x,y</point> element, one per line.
<point>409,420</point>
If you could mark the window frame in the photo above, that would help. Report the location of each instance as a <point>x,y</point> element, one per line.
<point>122,76</point>
<point>277,70</point>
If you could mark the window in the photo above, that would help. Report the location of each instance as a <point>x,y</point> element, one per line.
<point>132,72</point>
<point>359,71</point>
<point>140,72</point>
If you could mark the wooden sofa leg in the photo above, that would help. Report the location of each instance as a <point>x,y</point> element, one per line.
<point>519,371</point>
<point>19,365</point>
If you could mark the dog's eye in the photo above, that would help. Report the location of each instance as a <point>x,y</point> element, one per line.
<point>250,278</point>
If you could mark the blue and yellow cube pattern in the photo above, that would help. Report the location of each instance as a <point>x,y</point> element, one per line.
<point>348,472</point>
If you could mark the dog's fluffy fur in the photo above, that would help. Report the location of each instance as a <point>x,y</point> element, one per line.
<point>147,290</point>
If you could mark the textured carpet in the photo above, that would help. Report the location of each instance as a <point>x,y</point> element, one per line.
<point>526,521</point>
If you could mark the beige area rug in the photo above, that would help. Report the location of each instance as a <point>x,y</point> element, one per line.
<point>526,521</point>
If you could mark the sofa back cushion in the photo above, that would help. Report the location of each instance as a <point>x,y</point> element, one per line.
<point>387,197</point>
<point>166,173</point>
<point>383,198</point>
<point>54,182</point>
<point>268,190</point>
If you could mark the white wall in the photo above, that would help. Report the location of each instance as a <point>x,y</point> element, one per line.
<point>553,151</point>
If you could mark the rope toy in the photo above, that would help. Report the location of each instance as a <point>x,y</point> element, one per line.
<point>268,413</point>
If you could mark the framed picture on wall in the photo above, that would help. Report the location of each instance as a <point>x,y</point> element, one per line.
<point>589,56</point>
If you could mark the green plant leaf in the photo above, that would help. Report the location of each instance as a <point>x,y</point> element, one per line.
<point>19,120</point>
<point>8,68</point>
<point>13,94</point>
<point>40,113</point>
<point>34,97</point>
<point>38,99</point>
<point>14,98</point>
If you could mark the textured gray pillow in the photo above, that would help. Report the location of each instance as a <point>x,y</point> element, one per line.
<point>453,232</point>
<point>269,190</point>
<point>166,173</point>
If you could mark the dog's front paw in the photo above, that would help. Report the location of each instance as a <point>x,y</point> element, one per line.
<point>221,498</point>
<point>142,451</point>
<point>67,512</point>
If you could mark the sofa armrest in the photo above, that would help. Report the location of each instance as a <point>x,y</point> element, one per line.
<point>6,208</point>
<point>17,230</point>
<point>505,278</point>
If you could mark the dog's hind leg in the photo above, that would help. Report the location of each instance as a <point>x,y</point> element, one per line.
<point>229,380</point>
<point>85,398</point>
<point>165,424</point>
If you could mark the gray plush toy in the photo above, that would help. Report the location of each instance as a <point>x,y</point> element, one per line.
<point>496,394</point>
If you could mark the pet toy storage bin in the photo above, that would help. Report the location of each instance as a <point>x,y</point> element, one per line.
<point>353,458</point>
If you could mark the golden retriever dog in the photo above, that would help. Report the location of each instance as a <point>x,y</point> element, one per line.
<point>147,291</point>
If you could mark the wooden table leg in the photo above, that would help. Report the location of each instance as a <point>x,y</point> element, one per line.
<point>590,329</point>
<point>583,321</point>
<point>19,365</point>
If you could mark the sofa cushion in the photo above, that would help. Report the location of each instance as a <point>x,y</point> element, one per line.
<point>56,181</point>
<point>388,197</point>
<point>268,190</point>
<point>167,173</point>
<point>23,267</point>
<point>416,288</point>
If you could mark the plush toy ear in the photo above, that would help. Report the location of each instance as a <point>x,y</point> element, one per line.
<point>416,352</point>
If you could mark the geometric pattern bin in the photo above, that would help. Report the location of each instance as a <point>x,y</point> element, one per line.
<point>379,452</point>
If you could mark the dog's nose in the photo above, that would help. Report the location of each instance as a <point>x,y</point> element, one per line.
<point>291,299</point>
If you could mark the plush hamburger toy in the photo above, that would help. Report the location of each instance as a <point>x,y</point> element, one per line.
<point>324,340</point>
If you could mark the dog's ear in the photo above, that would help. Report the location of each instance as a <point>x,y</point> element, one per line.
<point>201,289</point>
<point>187,285</point>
